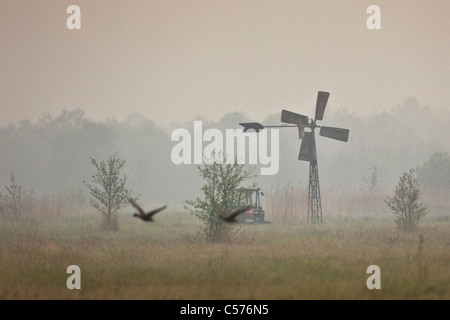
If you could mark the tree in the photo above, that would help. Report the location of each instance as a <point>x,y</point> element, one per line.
<point>15,201</point>
<point>435,172</point>
<point>405,202</point>
<point>110,194</point>
<point>221,179</point>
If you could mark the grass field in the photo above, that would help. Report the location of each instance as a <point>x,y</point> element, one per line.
<point>272,261</point>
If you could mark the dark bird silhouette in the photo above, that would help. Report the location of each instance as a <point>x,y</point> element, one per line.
<point>229,217</point>
<point>142,214</point>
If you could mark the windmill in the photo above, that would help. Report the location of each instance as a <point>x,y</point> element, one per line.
<point>308,150</point>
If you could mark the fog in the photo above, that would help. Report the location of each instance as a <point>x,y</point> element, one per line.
<point>52,155</point>
<point>134,73</point>
<point>173,60</point>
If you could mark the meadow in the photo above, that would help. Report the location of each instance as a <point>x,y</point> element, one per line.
<point>165,260</point>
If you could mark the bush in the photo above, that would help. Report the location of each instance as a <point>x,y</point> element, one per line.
<point>405,202</point>
<point>221,179</point>
<point>110,194</point>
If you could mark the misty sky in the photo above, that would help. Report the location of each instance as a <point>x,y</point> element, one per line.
<point>174,60</point>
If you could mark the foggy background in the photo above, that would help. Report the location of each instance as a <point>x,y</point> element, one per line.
<point>137,70</point>
<point>52,155</point>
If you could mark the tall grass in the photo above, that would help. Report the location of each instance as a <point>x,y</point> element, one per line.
<point>286,204</point>
<point>286,259</point>
<point>271,261</point>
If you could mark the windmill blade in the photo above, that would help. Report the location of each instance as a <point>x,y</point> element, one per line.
<point>307,148</point>
<point>291,117</point>
<point>335,133</point>
<point>301,128</point>
<point>322,99</point>
<point>252,125</point>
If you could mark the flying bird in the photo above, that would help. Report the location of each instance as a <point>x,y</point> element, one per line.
<point>142,214</point>
<point>229,217</point>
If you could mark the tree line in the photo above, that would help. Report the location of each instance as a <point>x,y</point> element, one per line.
<point>54,153</point>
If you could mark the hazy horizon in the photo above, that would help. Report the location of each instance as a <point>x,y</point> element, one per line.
<point>172,61</point>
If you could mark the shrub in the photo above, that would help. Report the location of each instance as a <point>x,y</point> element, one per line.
<point>405,202</point>
<point>221,179</point>
<point>110,193</point>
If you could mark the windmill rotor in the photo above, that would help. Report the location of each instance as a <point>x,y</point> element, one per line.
<point>308,148</point>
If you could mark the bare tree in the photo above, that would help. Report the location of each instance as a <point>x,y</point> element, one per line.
<point>15,202</point>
